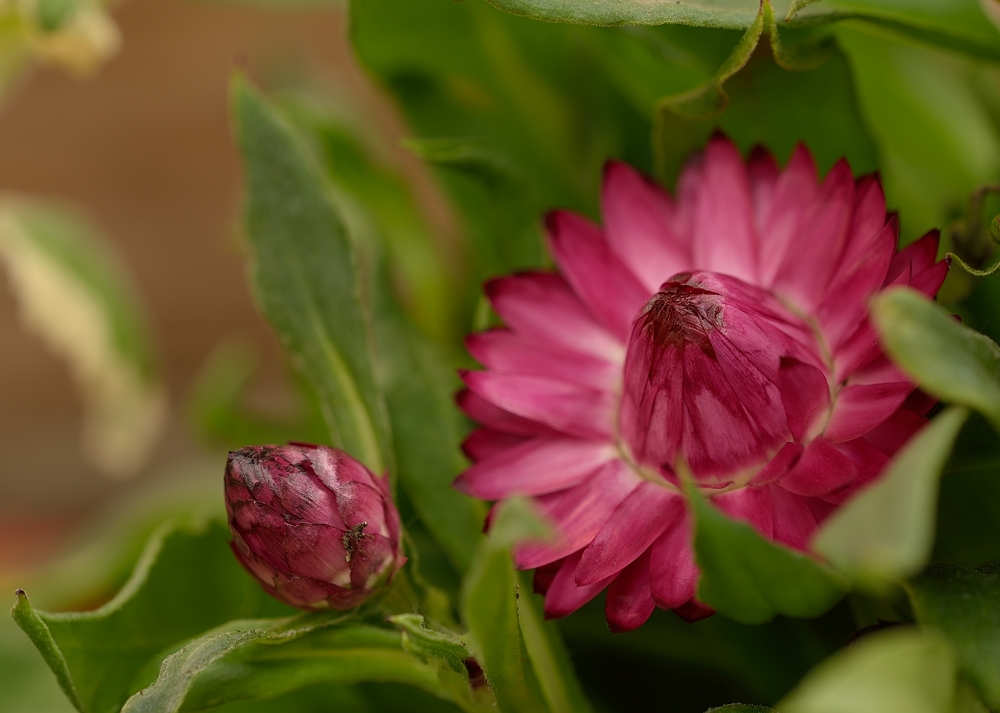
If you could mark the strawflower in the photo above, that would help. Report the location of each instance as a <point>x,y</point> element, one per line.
<point>315,527</point>
<point>723,332</point>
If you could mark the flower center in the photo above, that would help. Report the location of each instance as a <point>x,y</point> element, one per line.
<point>706,367</point>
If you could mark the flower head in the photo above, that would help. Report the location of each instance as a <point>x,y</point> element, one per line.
<point>724,332</point>
<point>313,525</point>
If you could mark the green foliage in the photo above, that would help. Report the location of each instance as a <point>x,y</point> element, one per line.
<point>739,708</point>
<point>964,604</point>
<point>305,273</point>
<point>886,532</point>
<point>752,580</point>
<point>946,358</point>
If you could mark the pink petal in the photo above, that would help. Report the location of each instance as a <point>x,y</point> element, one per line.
<point>693,611</point>
<point>846,304</point>
<point>794,522</point>
<point>542,305</point>
<point>638,218</point>
<point>869,217</point>
<point>869,463</point>
<point>763,173</point>
<point>564,596</point>
<point>482,411</point>
<point>914,258</point>
<point>891,435</point>
<point>822,469</point>
<point>609,289</point>
<point>535,467</point>
<point>861,407</point>
<point>779,465</point>
<point>629,602</point>
<point>561,406</point>
<point>854,351</point>
<point>805,394</point>
<point>809,264</point>
<point>795,190</point>
<point>724,239</point>
<point>880,370</point>
<point>502,350</point>
<point>579,513</point>
<point>673,573</point>
<point>632,528</point>
<point>749,505</point>
<point>929,281</point>
<point>485,443</point>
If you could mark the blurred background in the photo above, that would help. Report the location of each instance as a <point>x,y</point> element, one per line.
<point>143,147</point>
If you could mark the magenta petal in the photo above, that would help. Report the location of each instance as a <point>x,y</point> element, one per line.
<point>805,394</point>
<point>673,574</point>
<point>632,528</point>
<point>794,522</point>
<point>891,435</point>
<point>868,219</point>
<point>749,505</point>
<point>764,173</point>
<point>542,305</point>
<point>859,408</point>
<point>914,258</point>
<point>795,190</point>
<point>638,222</point>
<point>535,467</point>
<point>693,611</point>
<point>564,596</point>
<point>629,602</point>
<point>482,411</point>
<point>869,462</point>
<point>556,404</point>
<point>808,267</point>
<point>485,443</point>
<point>504,351</point>
<point>779,465</point>
<point>724,239</point>
<point>609,289</point>
<point>579,514</point>
<point>822,469</point>
<point>929,281</point>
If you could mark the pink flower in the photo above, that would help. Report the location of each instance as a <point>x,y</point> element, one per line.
<point>313,525</point>
<point>725,330</point>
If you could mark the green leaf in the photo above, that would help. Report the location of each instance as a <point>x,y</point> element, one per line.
<point>899,670</point>
<point>964,604</point>
<point>740,708</point>
<point>305,274</point>
<point>75,294</point>
<point>944,357</point>
<point>886,532</point>
<point>752,580</point>
<point>185,582</point>
<point>419,639</point>
<point>489,607</point>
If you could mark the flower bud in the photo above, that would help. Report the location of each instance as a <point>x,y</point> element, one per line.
<point>313,525</point>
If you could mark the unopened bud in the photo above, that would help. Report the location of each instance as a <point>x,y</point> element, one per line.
<point>312,524</point>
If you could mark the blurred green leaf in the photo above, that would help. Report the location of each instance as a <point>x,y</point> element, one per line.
<point>886,532</point>
<point>75,294</point>
<point>944,357</point>
<point>420,639</point>
<point>937,142</point>
<point>964,604</point>
<point>305,272</point>
<point>186,582</point>
<point>489,607</point>
<point>751,580</point>
<point>740,708</point>
<point>899,670</point>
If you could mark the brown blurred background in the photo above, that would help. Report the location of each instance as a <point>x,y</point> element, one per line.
<point>145,148</point>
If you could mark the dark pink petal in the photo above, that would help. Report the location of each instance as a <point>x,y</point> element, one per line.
<point>930,280</point>
<point>629,602</point>
<point>632,528</point>
<point>556,404</point>
<point>543,306</point>
<point>862,407</point>
<point>892,434</point>
<point>693,611</point>
<point>749,505</point>
<point>485,442</point>
<point>535,467</point>
<point>579,514</point>
<point>869,462</point>
<point>638,222</point>
<point>869,217</point>
<point>763,172</point>
<point>794,522</point>
<point>859,348</point>
<point>846,304</point>
<point>673,573</point>
<point>724,239</point>
<point>805,394</point>
<point>601,280</point>
<point>779,465</point>
<point>504,351</point>
<point>914,258</point>
<point>482,411</point>
<point>543,577</point>
<point>564,596</point>
<point>809,263</point>
<point>822,469</point>
<point>880,370</point>
<point>794,192</point>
